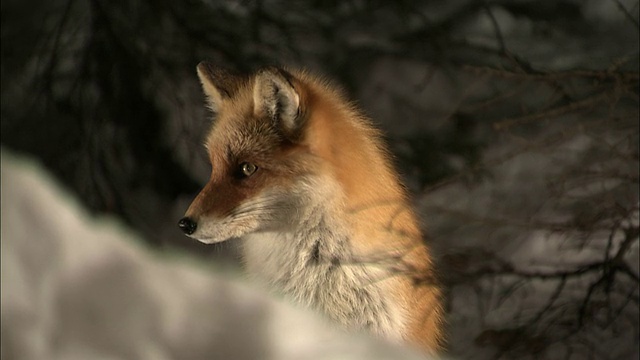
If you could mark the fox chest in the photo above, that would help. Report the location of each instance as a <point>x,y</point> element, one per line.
<point>325,278</point>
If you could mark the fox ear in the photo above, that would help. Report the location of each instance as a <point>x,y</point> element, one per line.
<point>274,95</point>
<point>218,84</point>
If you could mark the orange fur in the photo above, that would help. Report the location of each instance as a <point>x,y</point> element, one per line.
<point>377,205</point>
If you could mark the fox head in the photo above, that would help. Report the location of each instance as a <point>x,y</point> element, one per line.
<point>258,154</point>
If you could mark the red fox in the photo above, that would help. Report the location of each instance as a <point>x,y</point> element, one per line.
<point>304,179</point>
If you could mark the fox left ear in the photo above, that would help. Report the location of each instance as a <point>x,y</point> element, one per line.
<point>219,84</point>
<point>274,95</point>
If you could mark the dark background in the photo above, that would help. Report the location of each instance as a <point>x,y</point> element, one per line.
<point>513,122</point>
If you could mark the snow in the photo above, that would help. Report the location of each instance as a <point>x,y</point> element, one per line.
<point>78,287</point>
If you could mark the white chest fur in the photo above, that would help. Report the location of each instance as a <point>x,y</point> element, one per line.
<point>313,266</point>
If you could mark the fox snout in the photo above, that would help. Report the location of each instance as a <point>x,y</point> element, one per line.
<point>210,218</point>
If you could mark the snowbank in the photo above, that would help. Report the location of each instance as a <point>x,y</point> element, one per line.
<point>77,287</point>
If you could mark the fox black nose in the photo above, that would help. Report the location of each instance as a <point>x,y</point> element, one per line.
<point>187,225</point>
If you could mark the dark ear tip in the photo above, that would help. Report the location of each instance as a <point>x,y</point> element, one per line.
<point>267,72</point>
<point>269,69</point>
<point>205,67</point>
<point>276,72</point>
<point>224,80</point>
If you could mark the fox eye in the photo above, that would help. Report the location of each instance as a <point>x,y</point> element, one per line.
<point>247,169</point>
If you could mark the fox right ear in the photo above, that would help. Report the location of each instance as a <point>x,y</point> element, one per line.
<point>275,95</point>
<point>218,84</point>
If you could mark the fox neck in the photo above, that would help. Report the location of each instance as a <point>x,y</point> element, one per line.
<point>312,263</point>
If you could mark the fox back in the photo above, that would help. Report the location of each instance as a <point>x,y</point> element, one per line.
<point>302,177</point>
